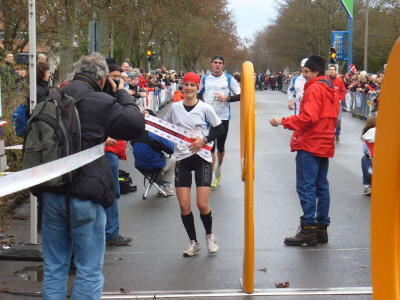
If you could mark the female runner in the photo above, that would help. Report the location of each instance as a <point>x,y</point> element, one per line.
<point>204,125</point>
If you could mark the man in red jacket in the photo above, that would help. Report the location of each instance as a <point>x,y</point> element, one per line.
<point>114,151</point>
<point>340,95</point>
<point>313,139</point>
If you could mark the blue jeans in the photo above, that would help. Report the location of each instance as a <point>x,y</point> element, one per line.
<point>339,123</point>
<point>366,164</point>
<point>112,225</point>
<point>85,240</point>
<point>313,188</point>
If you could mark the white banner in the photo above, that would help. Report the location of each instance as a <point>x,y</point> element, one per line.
<point>30,177</point>
<point>177,135</point>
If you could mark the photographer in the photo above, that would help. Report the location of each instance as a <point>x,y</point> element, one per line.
<point>73,215</point>
<point>113,80</point>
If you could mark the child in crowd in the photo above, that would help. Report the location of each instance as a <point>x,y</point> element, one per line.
<point>368,138</point>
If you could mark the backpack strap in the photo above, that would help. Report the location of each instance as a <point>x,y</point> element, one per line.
<point>203,81</point>
<point>293,81</point>
<point>229,78</point>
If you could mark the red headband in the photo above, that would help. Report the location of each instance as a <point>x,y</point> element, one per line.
<point>191,77</point>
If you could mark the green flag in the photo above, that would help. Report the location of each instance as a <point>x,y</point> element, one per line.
<point>348,4</point>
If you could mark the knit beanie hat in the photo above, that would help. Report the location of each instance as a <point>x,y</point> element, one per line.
<point>316,63</point>
<point>191,77</point>
<point>110,61</point>
<point>112,68</point>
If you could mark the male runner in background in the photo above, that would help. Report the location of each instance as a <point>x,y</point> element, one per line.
<point>340,95</point>
<point>219,89</point>
<point>296,89</point>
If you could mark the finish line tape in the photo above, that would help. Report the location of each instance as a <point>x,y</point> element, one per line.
<point>181,137</point>
<point>30,177</point>
<point>16,147</point>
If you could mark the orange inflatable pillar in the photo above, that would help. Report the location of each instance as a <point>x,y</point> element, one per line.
<point>247,142</point>
<point>385,208</point>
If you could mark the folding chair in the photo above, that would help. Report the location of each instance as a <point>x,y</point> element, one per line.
<point>149,179</point>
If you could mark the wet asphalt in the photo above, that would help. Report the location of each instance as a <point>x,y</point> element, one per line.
<point>154,260</point>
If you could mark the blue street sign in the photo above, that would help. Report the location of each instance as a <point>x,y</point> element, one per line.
<point>339,42</point>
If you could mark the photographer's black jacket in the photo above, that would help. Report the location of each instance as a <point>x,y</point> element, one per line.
<point>101,116</point>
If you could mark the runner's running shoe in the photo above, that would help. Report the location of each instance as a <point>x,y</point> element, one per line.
<point>212,243</point>
<point>214,183</point>
<point>216,179</point>
<point>192,250</point>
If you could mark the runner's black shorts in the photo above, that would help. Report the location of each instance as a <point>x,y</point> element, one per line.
<point>220,142</point>
<point>202,172</point>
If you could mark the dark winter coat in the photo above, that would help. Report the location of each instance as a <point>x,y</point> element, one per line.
<point>101,116</point>
<point>42,91</point>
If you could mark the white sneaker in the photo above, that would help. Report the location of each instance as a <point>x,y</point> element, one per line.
<point>167,189</point>
<point>212,243</point>
<point>192,250</point>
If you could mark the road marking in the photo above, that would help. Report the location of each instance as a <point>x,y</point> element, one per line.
<point>109,253</point>
<point>237,293</point>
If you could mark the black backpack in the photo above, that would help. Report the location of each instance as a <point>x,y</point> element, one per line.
<point>125,183</point>
<point>53,131</point>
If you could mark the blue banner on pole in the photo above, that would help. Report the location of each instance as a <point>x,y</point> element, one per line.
<point>339,42</point>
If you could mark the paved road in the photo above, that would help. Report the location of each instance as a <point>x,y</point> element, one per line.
<point>155,262</point>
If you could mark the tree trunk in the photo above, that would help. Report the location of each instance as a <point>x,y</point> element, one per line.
<point>104,17</point>
<point>67,34</point>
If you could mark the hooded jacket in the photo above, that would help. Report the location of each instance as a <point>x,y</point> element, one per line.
<point>314,127</point>
<point>147,150</point>
<point>340,88</point>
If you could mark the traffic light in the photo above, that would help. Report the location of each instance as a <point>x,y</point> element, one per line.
<point>332,56</point>
<point>150,55</point>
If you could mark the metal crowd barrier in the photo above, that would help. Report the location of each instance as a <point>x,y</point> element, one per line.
<point>285,87</point>
<point>157,99</point>
<point>361,104</point>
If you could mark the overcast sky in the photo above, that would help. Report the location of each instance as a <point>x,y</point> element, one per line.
<point>252,15</point>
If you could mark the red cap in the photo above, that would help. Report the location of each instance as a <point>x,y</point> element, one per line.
<point>191,77</point>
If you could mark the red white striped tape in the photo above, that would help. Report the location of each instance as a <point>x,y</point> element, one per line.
<point>176,135</point>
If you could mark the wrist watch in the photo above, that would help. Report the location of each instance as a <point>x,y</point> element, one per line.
<point>205,140</point>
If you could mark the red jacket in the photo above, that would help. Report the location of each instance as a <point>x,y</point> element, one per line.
<point>142,82</point>
<point>178,96</point>
<point>119,148</point>
<point>314,127</point>
<point>339,87</point>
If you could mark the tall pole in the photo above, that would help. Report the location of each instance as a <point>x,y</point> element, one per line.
<point>366,36</point>
<point>350,42</point>
<point>32,99</point>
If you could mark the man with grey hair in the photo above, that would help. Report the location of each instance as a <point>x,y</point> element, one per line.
<point>73,215</point>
